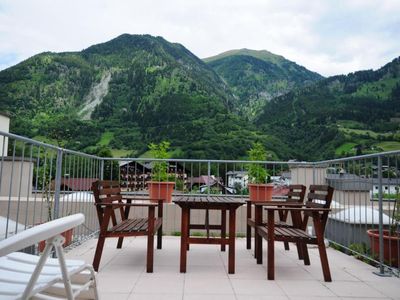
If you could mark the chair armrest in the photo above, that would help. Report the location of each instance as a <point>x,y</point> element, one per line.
<point>279,204</point>
<point>135,198</point>
<point>305,209</point>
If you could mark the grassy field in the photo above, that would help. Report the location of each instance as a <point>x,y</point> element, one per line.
<point>379,89</point>
<point>106,138</point>
<point>389,146</point>
<point>345,148</point>
<point>350,124</point>
<point>120,152</point>
<point>372,134</point>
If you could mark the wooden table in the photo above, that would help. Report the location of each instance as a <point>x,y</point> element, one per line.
<point>222,203</point>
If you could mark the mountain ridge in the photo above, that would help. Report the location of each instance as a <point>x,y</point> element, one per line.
<point>257,76</point>
<point>159,90</point>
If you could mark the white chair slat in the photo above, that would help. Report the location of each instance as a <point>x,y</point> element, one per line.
<point>6,264</point>
<point>33,259</point>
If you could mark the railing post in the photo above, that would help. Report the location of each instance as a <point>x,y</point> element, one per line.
<point>208,175</point>
<point>313,173</point>
<point>380,197</point>
<point>56,208</point>
<point>102,169</point>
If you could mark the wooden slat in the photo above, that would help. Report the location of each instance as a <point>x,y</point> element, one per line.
<point>319,187</point>
<point>315,196</point>
<point>109,199</point>
<point>294,194</point>
<point>296,186</point>
<point>110,191</point>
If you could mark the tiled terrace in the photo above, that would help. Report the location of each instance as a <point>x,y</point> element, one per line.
<point>122,274</point>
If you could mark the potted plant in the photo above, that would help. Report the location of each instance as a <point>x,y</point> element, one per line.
<point>391,237</point>
<point>160,186</point>
<point>259,189</point>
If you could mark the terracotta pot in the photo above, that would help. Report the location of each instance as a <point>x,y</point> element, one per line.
<point>391,250</point>
<point>260,192</point>
<point>161,190</point>
<point>66,234</point>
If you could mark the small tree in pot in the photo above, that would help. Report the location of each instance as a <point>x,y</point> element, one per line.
<point>160,187</point>
<point>259,189</point>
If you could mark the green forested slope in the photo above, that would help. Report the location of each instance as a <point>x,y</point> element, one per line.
<point>256,77</point>
<point>123,94</point>
<point>136,89</point>
<point>341,115</point>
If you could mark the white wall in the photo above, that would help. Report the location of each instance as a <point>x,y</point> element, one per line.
<point>308,175</point>
<point>4,126</point>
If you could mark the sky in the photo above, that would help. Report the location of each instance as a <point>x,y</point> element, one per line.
<point>326,36</point>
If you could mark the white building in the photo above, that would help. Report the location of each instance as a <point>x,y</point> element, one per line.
<point>237,177</point>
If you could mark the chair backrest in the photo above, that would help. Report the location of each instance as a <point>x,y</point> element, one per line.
<point>296,193</point>
<point>320,196</point>
<point>106,191</point>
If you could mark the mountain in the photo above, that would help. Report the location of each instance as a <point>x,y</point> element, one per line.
<point>117,97</point>
<point>256,77</point>
<point>338,116</point>
<point>124,94</point>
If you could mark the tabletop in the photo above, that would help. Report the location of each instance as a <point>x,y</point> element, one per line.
<point>209,200</point>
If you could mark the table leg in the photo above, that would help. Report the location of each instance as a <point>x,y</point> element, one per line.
<point>257,238</point>
<point>188,232</point>
<point>223,228</point>
<point>184,238</point>
<point>248,227</point>
<point>232,231</point>
<point>159,232</point>
<point>271,238</point>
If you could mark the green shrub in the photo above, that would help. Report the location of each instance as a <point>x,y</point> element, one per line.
<point>159,171</point>
<point>257,173</point>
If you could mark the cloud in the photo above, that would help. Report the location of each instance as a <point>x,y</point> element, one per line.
<point>330,37</point>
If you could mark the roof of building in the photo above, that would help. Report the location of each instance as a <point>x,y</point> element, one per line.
<point>360,215</point>
<point>349,182</point>
<point>76,184</point>
<point>204,179</point>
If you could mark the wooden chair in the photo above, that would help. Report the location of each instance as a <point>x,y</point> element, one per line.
<point>295,195</point>
<point>316,207</point>
<point>108,198</point>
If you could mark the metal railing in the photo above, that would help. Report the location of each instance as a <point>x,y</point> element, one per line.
<point>39,182</point>
<point>366,210</point>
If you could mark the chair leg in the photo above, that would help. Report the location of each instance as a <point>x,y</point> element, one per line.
<point>300,251</point>
<point>150,241</point>
<point>223,228</point>
<point>99,251</point>
<point>324,262</point>
<point>255,242</point>
<point>286,244</point>
<point>306,257</point>
<point>159,238</point>
<point>120,241</point>
<point>150,253</point>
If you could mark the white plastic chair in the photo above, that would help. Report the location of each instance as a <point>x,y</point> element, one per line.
<point>26,276</point>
